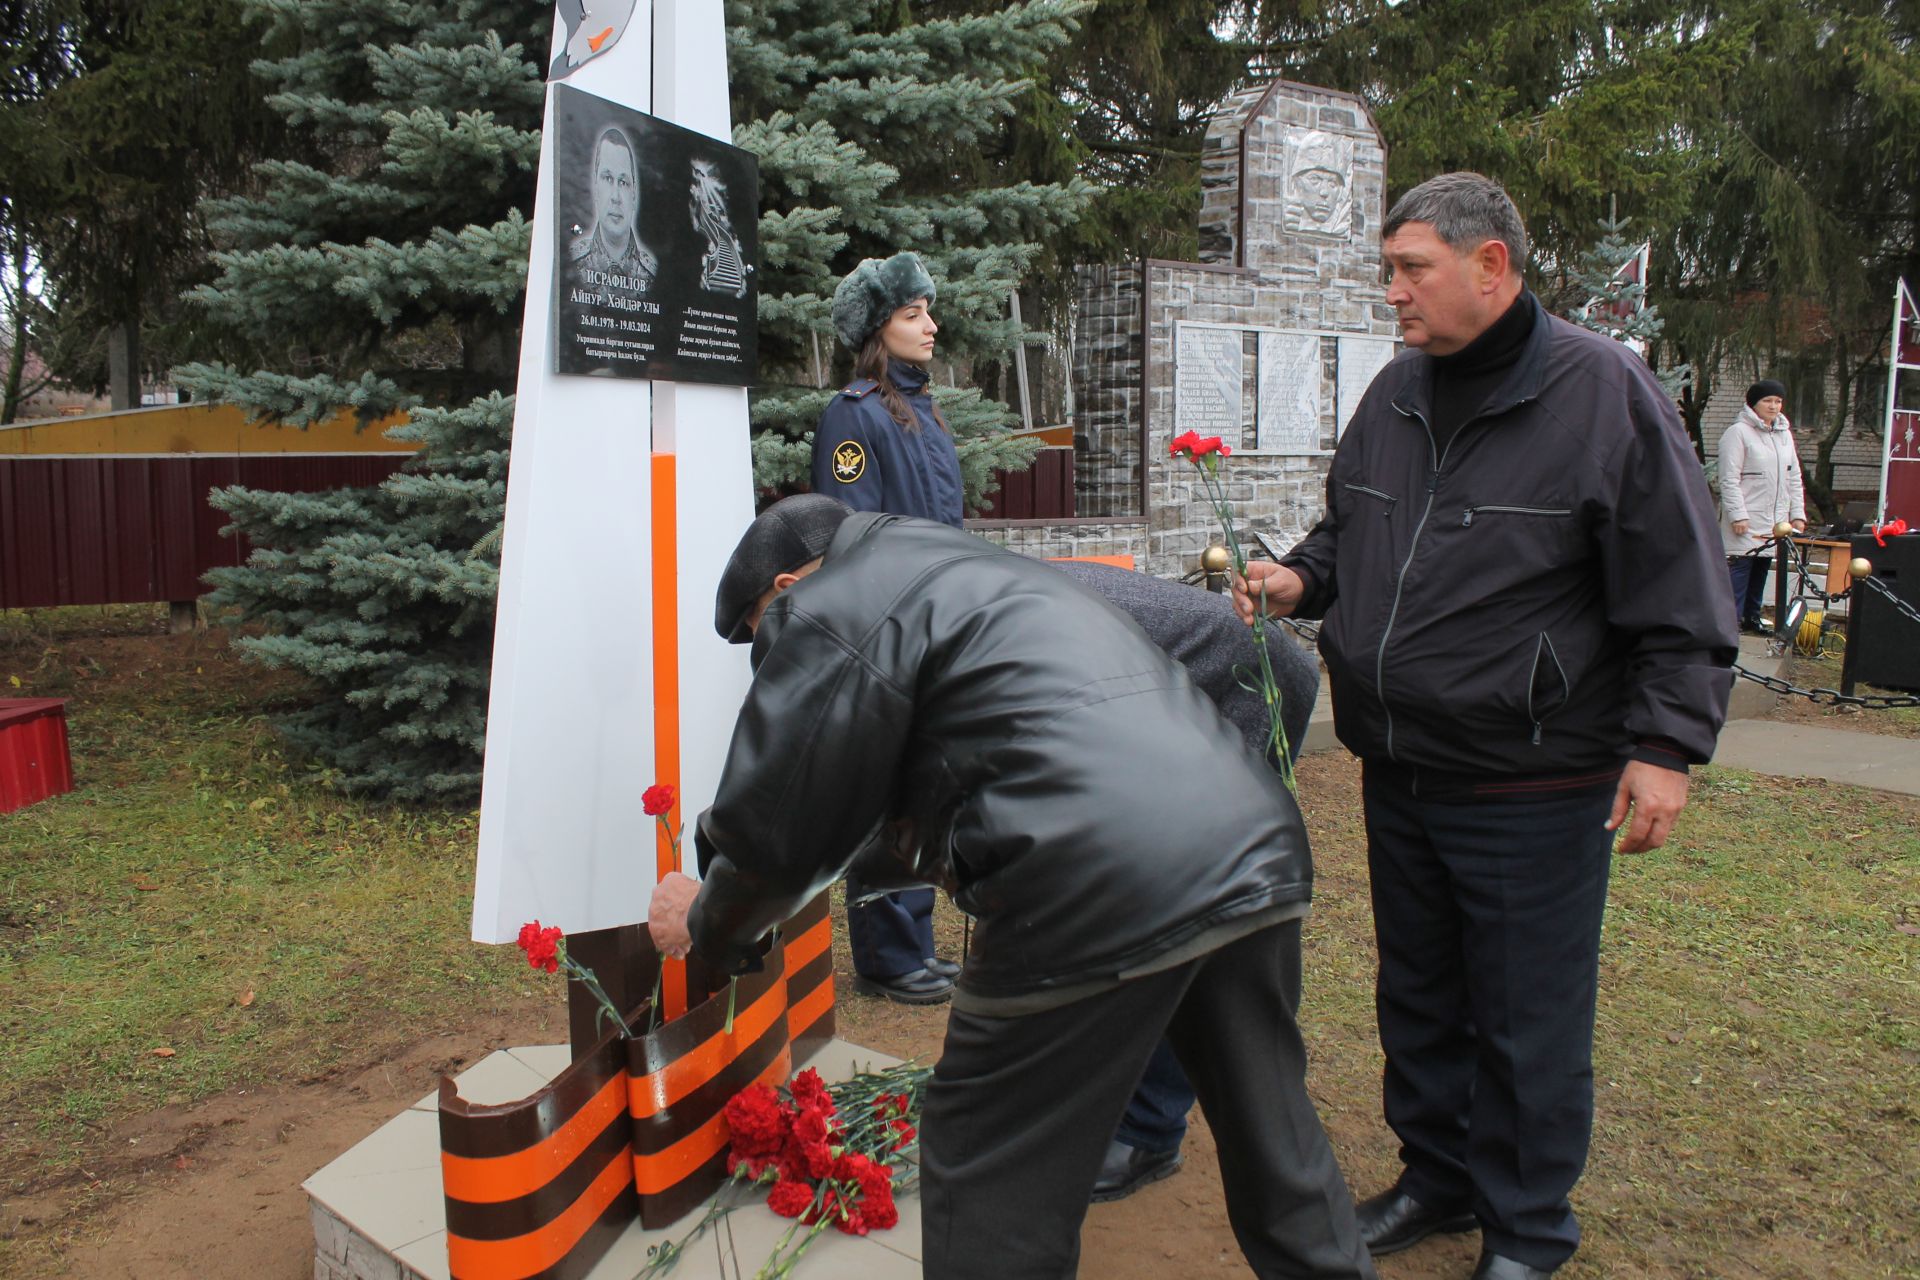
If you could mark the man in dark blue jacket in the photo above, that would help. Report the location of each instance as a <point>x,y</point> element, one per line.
<point>1528,637</point>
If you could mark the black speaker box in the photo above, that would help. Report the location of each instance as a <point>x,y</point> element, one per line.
<point>1883,644</point>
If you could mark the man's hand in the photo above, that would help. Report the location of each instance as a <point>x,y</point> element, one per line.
<point>1799,526</point>
<point>667,914</point>
<point>1739,528</point>
<point>1281,585</point>
<point>1656,796</point>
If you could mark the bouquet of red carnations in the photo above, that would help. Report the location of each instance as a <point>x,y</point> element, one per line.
<point>831,1157</point>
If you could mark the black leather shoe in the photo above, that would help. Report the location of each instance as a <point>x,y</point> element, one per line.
<point>1127,1169</point>
<point>922,986</point>
<point>1494,1267</point>
<point>1394,1220</point>
<point>945,968</point>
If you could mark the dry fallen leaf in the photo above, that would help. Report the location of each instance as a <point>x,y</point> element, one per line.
<point>246,998</point>
<point>144,886</point>
<point>162,1052</point>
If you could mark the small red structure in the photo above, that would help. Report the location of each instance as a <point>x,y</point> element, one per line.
<point>34,763</point>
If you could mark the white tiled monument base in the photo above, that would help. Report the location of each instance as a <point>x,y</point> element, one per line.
<point>378,1213</point>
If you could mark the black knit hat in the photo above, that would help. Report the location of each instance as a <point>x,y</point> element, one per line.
<point>1762,389</point>
<point>785,536</point>
<point>873,291</point>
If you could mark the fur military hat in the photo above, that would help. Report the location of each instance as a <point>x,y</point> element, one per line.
<point>873,291</point>
<point>1762,389</point>
<point>785,536</point>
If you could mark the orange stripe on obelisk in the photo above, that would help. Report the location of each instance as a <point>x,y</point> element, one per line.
<point>666,691</point>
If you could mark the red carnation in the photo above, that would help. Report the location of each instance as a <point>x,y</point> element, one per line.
<point>1202,446</point>
<point>1186,442</point>
<point>807,1145</point>
<point>657,800</point>
<point>541,945</point>
<point>810,1094</point>
<point>757,1123</point>
<point>790,1199</point>
<point>907,1135</point>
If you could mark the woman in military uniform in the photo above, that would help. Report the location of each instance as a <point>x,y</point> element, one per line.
<point>882,446</point>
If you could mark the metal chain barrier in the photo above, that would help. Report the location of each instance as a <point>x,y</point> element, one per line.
<point>1833,697</point>
<point>1830,697</point>
<point>1886,593</point>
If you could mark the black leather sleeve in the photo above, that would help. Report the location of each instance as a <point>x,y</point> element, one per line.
<point>806,783</point>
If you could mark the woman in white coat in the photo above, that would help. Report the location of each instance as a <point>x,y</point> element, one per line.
<point>1759,487</point>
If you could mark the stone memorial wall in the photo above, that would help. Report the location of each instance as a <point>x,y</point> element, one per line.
<point>1268,341</point>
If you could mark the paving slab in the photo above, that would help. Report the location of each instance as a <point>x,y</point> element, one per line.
<point>378,1212</point>
<point>1811,751</point>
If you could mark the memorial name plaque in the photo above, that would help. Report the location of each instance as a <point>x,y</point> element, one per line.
<point>657,244</point>
<point>1360,359</point>
<point>1208,374</point>
<point>1289,419</point>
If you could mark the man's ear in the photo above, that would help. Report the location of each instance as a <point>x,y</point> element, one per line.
<point>781,581</point>
<point>1492,261</point>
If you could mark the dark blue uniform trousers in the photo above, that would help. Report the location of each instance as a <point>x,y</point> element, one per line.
<point>1488,917</point>
<point>891,935</point>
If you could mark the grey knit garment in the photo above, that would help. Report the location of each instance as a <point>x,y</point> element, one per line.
<point>1200,630</point>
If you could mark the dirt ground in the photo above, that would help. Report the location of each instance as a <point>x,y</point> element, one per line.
<point>213,1190</point>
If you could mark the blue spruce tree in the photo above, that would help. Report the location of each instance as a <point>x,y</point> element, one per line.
<point>388,258</point>
<point>388,263</point>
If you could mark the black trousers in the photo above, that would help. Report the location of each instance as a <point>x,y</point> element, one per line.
<point>1488,919</point>
<point>1020,1110</point>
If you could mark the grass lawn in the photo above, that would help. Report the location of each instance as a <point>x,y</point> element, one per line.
<point>197,914</point>
<point>1758,1041</point>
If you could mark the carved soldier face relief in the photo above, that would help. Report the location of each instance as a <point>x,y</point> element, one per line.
<point>1318,199</point>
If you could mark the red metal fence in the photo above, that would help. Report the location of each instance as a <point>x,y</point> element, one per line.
<point>115,530</point>
<point>1042,492</point>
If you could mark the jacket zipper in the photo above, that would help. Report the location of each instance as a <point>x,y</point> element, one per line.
<point>1466,518</point>
<point>1387,498</point>
<point>1546,643</point>
<point>1400,580</point>
<point>1439,458</point>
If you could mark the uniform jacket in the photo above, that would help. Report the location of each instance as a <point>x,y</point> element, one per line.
<point>1544,595</point>
<point>870,462</point>
<point>1759,480</point>
<point>1085,803</point>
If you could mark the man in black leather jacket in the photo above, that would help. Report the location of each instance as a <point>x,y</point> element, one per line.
<point>1133,870</point>
<point>1528,635</point>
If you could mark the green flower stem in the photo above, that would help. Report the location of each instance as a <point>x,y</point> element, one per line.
<point>733,994</point>
<point>1269,686</point>
<point>585,977</point>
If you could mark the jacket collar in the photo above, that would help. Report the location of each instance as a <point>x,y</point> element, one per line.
<point>1752,419</point>
<point>910,378</point>
<point>1521,384</point>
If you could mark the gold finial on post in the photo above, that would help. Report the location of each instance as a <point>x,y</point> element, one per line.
<point>1216,559</point>
<point>1783,530</point>
<point>1860,567</point>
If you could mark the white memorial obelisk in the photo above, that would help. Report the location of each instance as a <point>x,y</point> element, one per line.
<point>623,502</point>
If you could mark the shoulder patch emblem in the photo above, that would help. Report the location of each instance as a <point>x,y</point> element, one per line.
<point>849,462</point>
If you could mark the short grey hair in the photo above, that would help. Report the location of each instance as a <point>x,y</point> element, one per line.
<point>1466,210</point>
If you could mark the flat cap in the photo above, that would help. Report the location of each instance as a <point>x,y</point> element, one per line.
<point>782,538</point>
<point>873,291</point>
